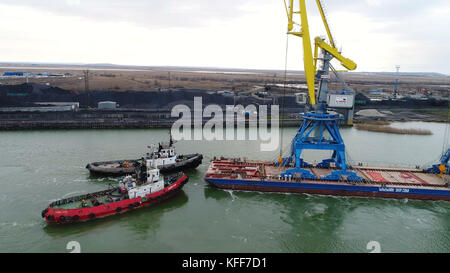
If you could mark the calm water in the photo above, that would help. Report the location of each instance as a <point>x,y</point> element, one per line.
<point>41,166</point>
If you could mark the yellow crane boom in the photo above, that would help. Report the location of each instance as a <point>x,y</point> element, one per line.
<point>307,50</point>
<point>310,61</point>
<point>345,62</point>
<point>325,22</point>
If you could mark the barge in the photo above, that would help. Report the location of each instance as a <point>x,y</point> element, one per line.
<point>266,176</point>
<point>326,110</point>
<point>147,188</point>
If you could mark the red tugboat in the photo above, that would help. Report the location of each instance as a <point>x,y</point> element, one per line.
<point>146,189</point>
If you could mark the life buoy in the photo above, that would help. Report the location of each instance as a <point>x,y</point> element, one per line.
<point>62,218</point>
<point>75,217</point>
<point>118,209</point>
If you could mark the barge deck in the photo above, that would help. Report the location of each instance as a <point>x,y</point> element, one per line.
<point>383,182</point>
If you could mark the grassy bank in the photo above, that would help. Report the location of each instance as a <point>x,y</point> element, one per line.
<point>438,113</point>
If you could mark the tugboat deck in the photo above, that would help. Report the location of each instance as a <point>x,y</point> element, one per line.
<point>101,199</point>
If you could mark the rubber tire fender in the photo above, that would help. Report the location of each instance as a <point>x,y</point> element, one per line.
<point>44,212</point>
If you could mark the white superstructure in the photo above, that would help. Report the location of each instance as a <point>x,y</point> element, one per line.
<point>154,183</point>
<point>164,155</point>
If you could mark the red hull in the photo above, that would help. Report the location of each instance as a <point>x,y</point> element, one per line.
<point>332,192</point>
<point>86,214</point>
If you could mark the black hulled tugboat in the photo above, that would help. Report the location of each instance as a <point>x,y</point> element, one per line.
<point>161,156</point>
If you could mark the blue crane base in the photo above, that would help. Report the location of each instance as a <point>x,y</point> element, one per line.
<point>435,169</point>
<point>319,131</point>
<point>444,161</point>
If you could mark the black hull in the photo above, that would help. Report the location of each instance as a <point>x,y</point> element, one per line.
<point>192,162</point>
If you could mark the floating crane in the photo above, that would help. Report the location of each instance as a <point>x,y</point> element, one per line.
<point>320,130</point>
<point>338,100</point>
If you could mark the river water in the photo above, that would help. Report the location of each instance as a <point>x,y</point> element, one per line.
<point>38,167</point>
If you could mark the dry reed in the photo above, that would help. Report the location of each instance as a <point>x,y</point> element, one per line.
<point>391,130</point>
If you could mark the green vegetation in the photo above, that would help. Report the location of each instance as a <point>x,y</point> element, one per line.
<point>439,113</point>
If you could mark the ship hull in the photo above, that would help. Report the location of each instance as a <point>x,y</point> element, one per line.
<point>115,168</point>
<point>331,189</point>
<point>68,216</point>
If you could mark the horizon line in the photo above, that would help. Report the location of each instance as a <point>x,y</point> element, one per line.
<point>199,67</point>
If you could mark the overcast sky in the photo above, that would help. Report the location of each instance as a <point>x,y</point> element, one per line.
<point>376,34</point>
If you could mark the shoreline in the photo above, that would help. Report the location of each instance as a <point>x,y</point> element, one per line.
<point>154,118</point>
<point>151,124</point>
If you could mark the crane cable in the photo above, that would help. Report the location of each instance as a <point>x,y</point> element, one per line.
<point>445,145</point>
<point>280,159</point>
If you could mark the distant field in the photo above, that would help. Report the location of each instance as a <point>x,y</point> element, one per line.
<point>121,78</point>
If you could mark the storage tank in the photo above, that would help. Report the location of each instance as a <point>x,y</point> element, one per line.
<point>107,105</point>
